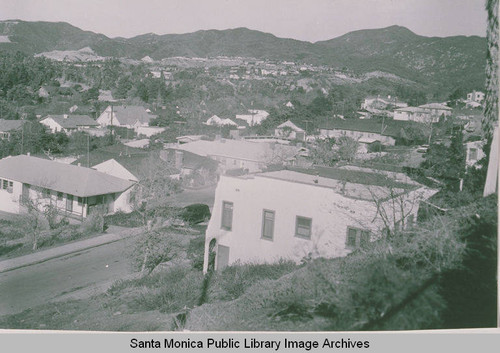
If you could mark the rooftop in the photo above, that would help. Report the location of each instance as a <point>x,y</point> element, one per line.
<point>350,183</point>
<point>238,149</point>
<point>67,178</point>
<point>10,125</point>
<point>389,128</point>
<point>129,114</point>
<point>73,121</point>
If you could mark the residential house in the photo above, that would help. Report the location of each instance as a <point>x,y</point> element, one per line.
<point>475,96</point>
<point>69,123</point>
<point>256,117</point>
<point>131,117</point>
<point>290,130</point>
<point>426,113</point>
<point>8,127</point>
<point>381,103</point>
<point>248,156</point>
<point>73,190</point>
<point>214,120</point>
<point>386,132</point>
<point>194,170</point>
<point>298,214</point>
<point>474,152</point>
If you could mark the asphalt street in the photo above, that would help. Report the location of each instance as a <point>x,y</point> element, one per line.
<point>80,274</point>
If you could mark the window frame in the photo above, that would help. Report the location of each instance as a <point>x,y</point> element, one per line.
<point>223,225</point>
<point>362,238</point>
<point>262,235</point>
<point>308,237</point>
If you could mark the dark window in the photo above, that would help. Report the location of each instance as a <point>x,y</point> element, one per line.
<point>59,195</point>
<point>80,201</point>
<point>45,193</point>
<point>267,224</point>
<point>473,154</point>
<point>303,227</point>
<point>11,186</point>
<point>227,215</point>
<point>5,184</point>
<point>357,238</point>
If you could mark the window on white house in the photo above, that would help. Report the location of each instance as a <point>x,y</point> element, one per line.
<point>227,215</point>
<point>80,201</point>
<point>357,238</point>
<point>303,227</point>
<point>59,196</point>
<point>5,184</point>
<point>267,224</point>
<point>10,188</point>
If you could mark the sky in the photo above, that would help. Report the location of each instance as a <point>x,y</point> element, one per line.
<point>310,20</point>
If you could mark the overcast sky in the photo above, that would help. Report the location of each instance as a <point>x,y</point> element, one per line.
<point>310,20</point>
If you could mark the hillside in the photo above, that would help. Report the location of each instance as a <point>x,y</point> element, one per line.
<point>450,61</point>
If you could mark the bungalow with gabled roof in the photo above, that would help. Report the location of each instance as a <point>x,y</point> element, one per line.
<point>72,190</point>
<point>290,130</point>
<point>7,127</point>
<point>386,132</point>
<point>131,116</point>
<point>69,123</point>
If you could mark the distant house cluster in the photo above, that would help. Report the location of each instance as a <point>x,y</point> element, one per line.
<point>426,113</point>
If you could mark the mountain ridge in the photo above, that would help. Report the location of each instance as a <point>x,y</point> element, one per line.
<point>394,49</point>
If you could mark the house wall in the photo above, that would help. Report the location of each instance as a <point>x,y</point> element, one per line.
<point>228,163</point>
<point>9,201</point>
<point>122,202</point>
<point>52,125</point>
<point>331,214</point>
<point>105,118</point>
<point>385,140</point>
<point>469,158</point>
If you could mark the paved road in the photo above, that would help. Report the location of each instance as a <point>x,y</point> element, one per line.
<point>80,274</point>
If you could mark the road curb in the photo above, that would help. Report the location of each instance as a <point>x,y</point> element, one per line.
<point>4,265</point>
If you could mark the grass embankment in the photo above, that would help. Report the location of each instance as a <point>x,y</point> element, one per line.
<point>408,282</point>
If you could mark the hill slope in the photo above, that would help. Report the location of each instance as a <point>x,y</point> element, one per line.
<point>450,61</point>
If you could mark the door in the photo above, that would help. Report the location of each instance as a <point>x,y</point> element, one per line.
<point>26,193</point>
<point>69,203</point>
<point>222,257</point>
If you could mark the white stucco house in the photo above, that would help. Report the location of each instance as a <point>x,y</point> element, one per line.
<point>240,154</point>
<point>255,116</point>
<point>290,130</point>
<point>474,152</point>
<point>69,123</point>
<point>131,117</point>
<point>475,96</point>
<point>368,131</point>
<point>72,189</point>
<point>296,214</point>
<point>426,113</point>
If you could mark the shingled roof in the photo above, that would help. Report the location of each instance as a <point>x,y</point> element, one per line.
<point>10,125</point>
<point>67,178</point>
<point>73,121</point>
<point>128,115</point>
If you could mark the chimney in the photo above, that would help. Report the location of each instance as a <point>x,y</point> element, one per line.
<point>28,154</point>
<point>65,116</point>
